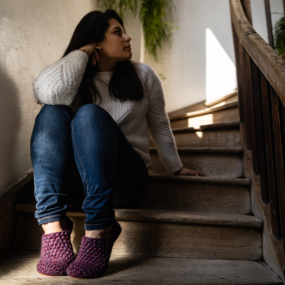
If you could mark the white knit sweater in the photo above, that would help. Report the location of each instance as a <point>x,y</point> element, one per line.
<point>58,84</point>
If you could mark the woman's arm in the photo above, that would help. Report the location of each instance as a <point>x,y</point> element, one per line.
<point>159,125</point>
<point>58,83</point>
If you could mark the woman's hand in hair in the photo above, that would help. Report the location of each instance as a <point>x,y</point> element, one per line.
<point>91,51</point>
<point>188,172</point>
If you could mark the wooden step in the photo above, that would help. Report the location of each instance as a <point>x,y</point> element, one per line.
<point>166,233</point>
<point>199,194</point>
<point>213,161</point>
<point>213,135</point>
<point>227,113</point>
<point>19,267</point>
<point>173,192</point>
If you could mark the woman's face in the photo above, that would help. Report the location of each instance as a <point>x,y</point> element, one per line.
<point>116,44</point>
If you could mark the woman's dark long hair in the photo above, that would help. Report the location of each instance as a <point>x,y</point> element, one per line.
<point>124,83</point>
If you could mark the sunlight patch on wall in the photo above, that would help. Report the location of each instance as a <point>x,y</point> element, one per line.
<point>220,70</point>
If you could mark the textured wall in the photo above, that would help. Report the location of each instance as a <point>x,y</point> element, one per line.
<point>33,34</point>
<point>202,50</point>
<point>184,64</point>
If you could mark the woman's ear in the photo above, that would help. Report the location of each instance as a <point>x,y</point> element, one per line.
<point>98,46</point>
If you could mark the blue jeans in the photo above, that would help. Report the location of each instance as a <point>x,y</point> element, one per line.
<point>89,150</point>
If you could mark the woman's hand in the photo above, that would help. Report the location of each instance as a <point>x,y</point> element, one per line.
<point>188,172</point>
<point>90,50</point>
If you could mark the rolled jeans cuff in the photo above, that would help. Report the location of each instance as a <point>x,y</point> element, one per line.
<point>52,218</point>
<point>92,227</point>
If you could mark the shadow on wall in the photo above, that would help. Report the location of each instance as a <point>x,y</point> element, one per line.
<point>10,120</point>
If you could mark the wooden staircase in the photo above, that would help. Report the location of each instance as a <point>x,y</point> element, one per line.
<point>185,230</point>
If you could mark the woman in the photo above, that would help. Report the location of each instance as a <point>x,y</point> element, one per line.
<point>94,126</point>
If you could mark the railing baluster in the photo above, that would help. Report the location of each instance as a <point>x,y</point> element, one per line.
<point>270,157</point>
<point>244,91</point>
<point>261,152</point>
<point>269,23</point>
<point>251,113</point>
<point>278,158</point>
<point>247,9</point>
<point>239,76</point>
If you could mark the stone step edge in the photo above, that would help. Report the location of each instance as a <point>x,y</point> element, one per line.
<point>170,217</point>
<point>181,271</point>
<point>234,125</point>
<point>200,180</point>
<point>209,150</point>
<point>206,111</point>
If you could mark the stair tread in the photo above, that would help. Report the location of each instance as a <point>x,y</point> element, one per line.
<point>225,150</point>
<point>167,216</point>
<point>201,180</point>
<point>19,267</point>
<point>206,111</point>
<point>209,127</point>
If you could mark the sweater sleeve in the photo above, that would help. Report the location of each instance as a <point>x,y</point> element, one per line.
<point>159,125</point>
<point>58,84</point>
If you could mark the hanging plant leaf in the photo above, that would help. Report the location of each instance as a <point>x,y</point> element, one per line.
<point>157,30</point>
<point>279,30</point>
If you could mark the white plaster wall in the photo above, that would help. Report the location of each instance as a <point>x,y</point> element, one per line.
<point>33,34</point>
<point>259,17</point>
<point>184,66</point>
<point>196,68</point>
<point>133,29</point>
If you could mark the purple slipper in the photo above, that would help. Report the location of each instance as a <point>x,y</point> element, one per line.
<point>94,254</point>
<point>56,253</point>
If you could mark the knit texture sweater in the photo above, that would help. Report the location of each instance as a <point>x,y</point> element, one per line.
<point>58,84</point>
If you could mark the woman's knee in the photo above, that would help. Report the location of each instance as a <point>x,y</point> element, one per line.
<point>90,113</point>
<point>52,124</point>
<point>88,110</point>
<point>55,113</point>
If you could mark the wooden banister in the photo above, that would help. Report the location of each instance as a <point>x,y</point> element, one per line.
<point>246,4</point>
<point>261,92</point>
<point>264,56</point>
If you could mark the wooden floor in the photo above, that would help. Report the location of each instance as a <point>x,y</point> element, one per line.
<point>19,267</point>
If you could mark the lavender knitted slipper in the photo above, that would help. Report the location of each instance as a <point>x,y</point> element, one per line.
<point>94,254</point>
<point>56,253</point>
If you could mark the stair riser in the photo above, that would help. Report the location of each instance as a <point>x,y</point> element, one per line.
<point>213,165</point>
<point>196,197</point>
<point>219,138</point>
<point>216,117</point>
<point>160,239</point>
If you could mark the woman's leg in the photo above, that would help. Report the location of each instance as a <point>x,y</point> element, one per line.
<point>52,159</point>
<point>112,172</point>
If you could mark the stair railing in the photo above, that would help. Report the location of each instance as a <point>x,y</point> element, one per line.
<point>261,90</point>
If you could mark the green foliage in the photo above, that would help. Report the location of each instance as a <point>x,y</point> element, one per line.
<point>121,6</point>
<point>279,30</point>
<point>152,13</point>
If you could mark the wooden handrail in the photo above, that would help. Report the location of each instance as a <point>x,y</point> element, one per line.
<point>261,94</point>
<point>264,56</point>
